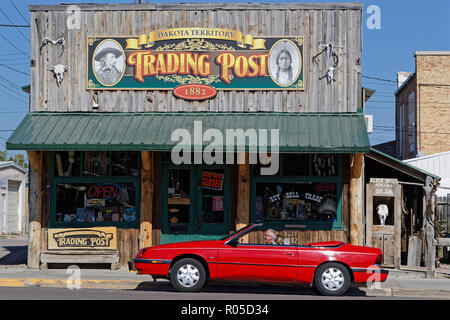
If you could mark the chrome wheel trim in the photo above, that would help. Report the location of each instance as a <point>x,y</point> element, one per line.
<point>188,275</point>
<point>332,279</point>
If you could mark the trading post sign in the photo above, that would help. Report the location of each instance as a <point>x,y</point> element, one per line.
<point>81,238</point>
<point>217,58</point>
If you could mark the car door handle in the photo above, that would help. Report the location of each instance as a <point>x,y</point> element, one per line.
<point>289,254</point>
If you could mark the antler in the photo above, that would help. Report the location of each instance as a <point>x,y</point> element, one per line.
<point>60,41</point>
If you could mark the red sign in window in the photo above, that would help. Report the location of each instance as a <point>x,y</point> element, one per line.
<point>212,180</point>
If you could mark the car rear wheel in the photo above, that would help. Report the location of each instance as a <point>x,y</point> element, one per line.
<point>332,279</point>
<point>188,275</point>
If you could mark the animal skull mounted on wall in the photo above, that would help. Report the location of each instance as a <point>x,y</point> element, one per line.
<point>383,212</point>
<point>59,70</point>
<point>331,61</point>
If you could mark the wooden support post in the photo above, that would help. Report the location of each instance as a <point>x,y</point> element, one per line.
<point>429,214</point>
<point>430,250</point>
<point>35,209</point>
<point>147,193</point>
<point>356,199</point>
<point>398,226</point>
<point>369,215</point>
<point>243,196</point>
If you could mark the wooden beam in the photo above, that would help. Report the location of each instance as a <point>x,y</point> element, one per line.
<point>356,199</point>
<point>147,195</point>
<point>398,227</point>
<point>444,242</point>
<point>201,6</point>
<point>35,208</point>
<point>369,215</point>
<point>243,196</point>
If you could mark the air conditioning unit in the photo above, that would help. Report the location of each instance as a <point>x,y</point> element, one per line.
<point>369,122</point>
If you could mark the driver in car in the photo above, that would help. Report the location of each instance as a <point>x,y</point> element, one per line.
<point>270,237</point>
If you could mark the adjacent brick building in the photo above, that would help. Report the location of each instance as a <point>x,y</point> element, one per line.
<point>422,106</point>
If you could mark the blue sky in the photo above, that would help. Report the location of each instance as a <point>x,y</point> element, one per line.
<point>406,26</point>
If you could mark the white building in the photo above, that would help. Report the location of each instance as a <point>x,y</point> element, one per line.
<point>438,164</point>
<point>13,189</point>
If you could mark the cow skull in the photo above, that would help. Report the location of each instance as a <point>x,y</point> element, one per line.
<point>59,70</point>
<point>383,212</point>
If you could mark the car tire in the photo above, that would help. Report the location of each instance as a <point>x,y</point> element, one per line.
<point>332,279</point>
<point>188,275</point>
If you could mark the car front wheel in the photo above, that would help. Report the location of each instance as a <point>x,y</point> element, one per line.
<point>188,275</point>
<point>332,279</point>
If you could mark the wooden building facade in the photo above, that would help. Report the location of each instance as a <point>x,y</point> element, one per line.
<point>101,152</point>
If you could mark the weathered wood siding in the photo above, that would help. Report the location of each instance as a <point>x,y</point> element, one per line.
<point>340,24</point>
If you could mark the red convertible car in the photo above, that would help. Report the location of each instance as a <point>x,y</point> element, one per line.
<point>329,266</point>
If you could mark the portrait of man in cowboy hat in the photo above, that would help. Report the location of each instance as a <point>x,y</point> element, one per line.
<point>108,66</point>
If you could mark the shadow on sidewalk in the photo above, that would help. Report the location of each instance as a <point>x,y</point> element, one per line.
<point>247,289</point>
<point>13,255</point>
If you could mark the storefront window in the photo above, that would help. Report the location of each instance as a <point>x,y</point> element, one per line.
<point>67,164</point>
<point>179,200</point>
<point>325,165</point>
<point>96,163</point>
<point>296,201</point>
<point>305,195</point>
<point>212,196</point>
<point>95,188</point>
<point>92,202</point>
<point>125,164</point>
<point>295,164</point>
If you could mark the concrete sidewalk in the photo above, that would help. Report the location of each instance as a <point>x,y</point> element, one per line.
<point>396,286</point>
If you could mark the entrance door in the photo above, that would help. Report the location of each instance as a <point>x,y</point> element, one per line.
<point>195,203</point>
<point>13,207</point>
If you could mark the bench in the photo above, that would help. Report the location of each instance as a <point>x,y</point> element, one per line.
<point>80,256</point>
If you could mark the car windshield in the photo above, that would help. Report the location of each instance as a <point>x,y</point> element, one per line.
<point>260,235</point>
<point>233,234</point>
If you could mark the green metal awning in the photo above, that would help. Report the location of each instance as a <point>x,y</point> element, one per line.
<point>323,133</point>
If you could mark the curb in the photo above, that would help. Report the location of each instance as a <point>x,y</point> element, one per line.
<point>383,292</point>
<point>421,293</point>
<point>405,293</point>
<point>68,284</point>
